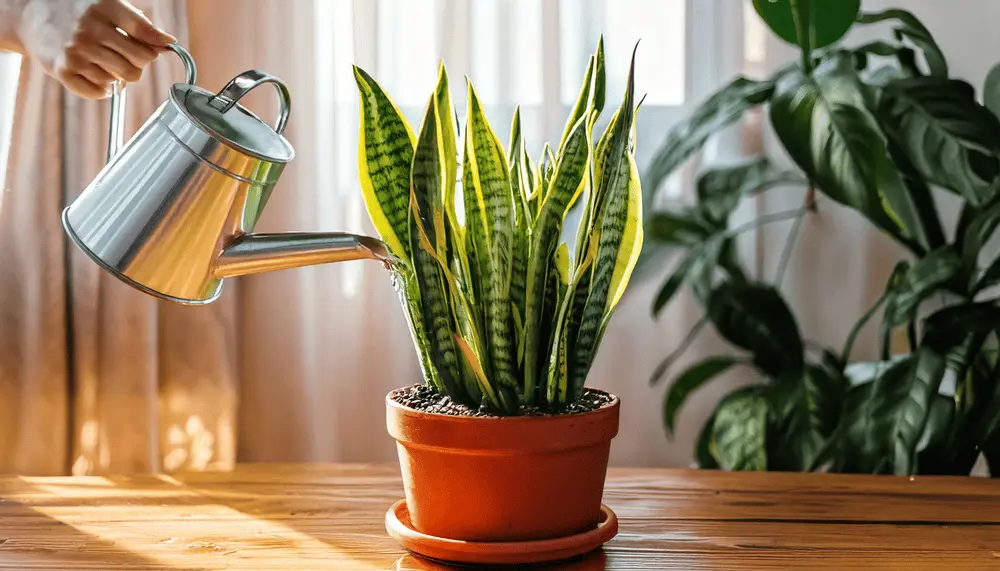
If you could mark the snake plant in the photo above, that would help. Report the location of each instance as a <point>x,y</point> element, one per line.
<point>501,313</point>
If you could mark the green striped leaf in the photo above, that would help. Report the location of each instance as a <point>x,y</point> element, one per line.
<point>522,235</point>
<point>427,244</point>
<point>385,152</point>
<point>567,182</point>
<point>489,206</point>
<point>614,171</point>
<point>591,95</point>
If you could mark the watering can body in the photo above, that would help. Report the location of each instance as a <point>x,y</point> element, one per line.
<point>173,211</point>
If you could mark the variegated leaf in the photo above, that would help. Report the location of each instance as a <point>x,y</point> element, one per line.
<point>567,182</point>
<point>489,207</point>
<point>522,235</point>
<point>427,245</point>
<point>385,152</point>
<point>612,204</point>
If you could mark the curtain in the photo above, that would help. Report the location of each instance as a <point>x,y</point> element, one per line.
<point>294,365</point>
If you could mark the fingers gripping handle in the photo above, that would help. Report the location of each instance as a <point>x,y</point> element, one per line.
<point>245,83</point>
<point>116,127</point>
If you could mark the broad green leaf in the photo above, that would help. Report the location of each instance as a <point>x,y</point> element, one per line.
<point>613,234</point>
<point>754,317</point>
<point>703,447</point>
<point>426,235</point>
<point>824,123</point>
<point>691,380</point>
<point>935,454</point>
<point>915,203</point>
<point>976,229</point>
<point>991,90</point>
<point>567,181</point>
<point>944,132</point>
<point>739,433</point>
<point>911,28</point>
<point>718,111</point>
<point>826,21</point>
<point>922,279</point>
<point>385,152</point>
<point>805,412</point>
<point>489,208</point>
<point>673,282</point>
<point>990,277</point>
<point>720,189</point>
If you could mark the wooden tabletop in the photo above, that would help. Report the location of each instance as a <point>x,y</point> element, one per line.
<point>297,517</point>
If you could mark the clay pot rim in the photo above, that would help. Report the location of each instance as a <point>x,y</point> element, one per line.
<point>538,418</point>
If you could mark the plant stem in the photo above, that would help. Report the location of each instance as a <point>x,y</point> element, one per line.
<point>676,353</point>
<point>845,355</point>
<point>763,221</point>
<point>803,28</point>
<point>786,252</point>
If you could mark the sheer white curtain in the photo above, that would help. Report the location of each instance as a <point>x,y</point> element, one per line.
<point>321,346</point>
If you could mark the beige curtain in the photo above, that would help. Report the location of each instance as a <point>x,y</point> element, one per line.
<point>96,377</point>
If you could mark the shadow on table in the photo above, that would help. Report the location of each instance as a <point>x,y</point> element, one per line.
<point>32,539</point>
<point>596,561</point>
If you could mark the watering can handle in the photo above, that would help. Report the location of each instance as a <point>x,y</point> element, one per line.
<point>117,125</point>
<point>244,83</point>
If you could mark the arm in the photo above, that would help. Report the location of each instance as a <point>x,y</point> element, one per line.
<point>85,44</point>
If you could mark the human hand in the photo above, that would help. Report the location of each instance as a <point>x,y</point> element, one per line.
<point>78,42</point>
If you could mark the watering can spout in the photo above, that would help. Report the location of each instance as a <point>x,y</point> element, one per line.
<point>256,253</point>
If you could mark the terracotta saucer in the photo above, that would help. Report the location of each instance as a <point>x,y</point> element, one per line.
<point>397,523</point>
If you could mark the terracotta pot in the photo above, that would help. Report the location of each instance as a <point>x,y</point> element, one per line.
<point>493,479</point>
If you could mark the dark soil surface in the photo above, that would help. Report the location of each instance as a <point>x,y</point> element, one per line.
<point>427,399</point>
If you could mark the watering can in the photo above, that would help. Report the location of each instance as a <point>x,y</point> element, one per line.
<point>172,212</point>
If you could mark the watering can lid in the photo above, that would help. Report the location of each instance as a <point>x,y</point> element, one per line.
<point>225,120</point>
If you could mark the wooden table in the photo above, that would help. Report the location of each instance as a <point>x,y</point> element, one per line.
<point>296,517</point>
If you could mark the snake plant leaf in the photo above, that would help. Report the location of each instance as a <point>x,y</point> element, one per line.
<point>755,317</point>
<point>951,139</point>
<point>385,153</point>
<point>921,280</point>
<point>446,112</point>
<point>822,119</point>
<point>690,134</point>
<point>630,245</point>
<point>580,108</point>
<point>427,235</point>
<point>558,366</point>
<point>522,236</point>
<point>739,432</point>
<point>599,93</point>
<point>691,380</point>
<point>826,21</point>
<point>567,182</point>
<point>911,28</point>
<point>990,277</point>
<point>489,208</point>
<point>476,368</point>
<point>616,237</point>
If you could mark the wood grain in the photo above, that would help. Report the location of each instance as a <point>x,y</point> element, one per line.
<point>297,517</point>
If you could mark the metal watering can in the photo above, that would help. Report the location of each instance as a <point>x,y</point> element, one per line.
<point>173,211</point>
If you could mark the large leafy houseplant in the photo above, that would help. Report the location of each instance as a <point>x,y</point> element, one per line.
<point>878,128</point>
<point>505,319</point>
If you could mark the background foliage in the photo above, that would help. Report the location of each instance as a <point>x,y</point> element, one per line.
<point>878,128</point>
